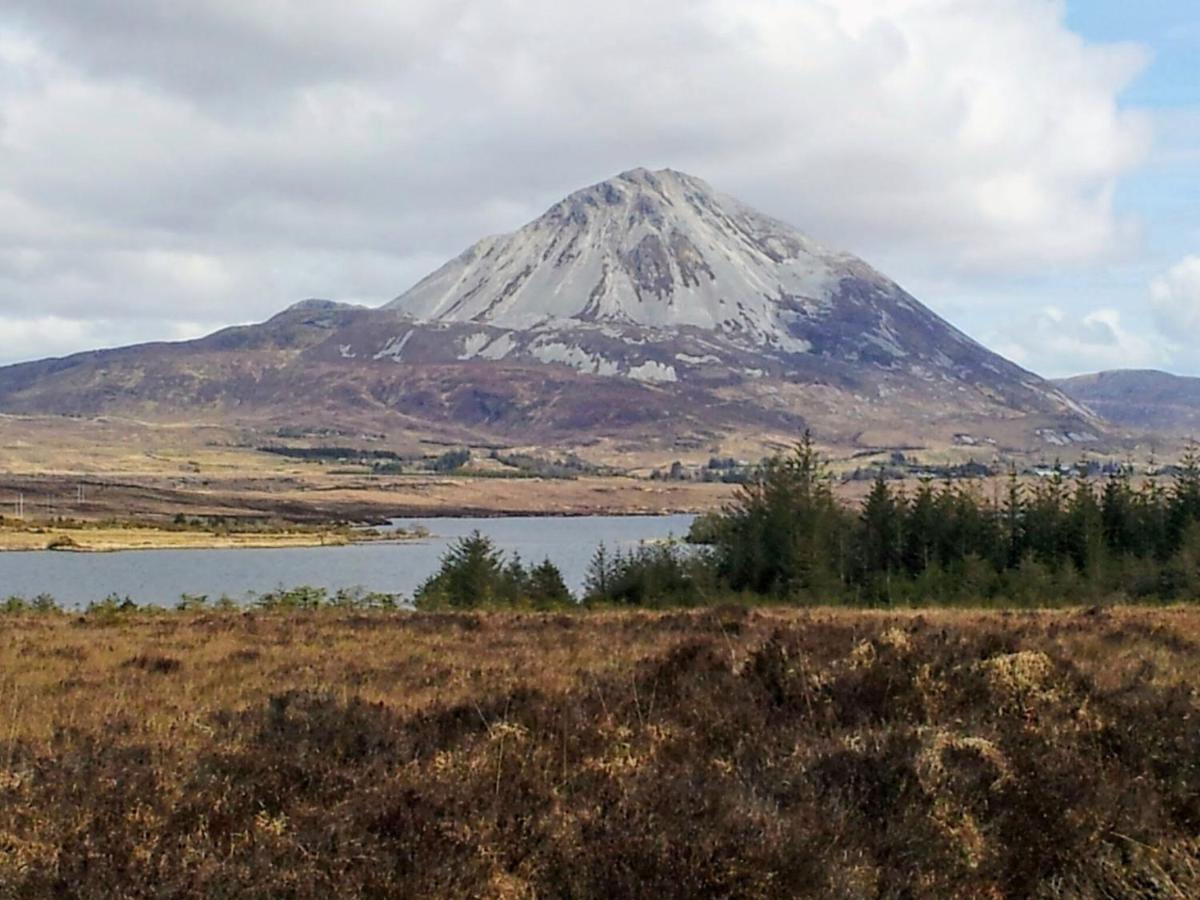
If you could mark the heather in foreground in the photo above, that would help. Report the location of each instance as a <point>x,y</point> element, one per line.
<point>729,752</point>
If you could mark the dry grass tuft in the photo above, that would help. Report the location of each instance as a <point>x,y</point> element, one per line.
<point>161,665</point>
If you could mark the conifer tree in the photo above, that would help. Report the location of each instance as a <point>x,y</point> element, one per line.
<point>881,535</point>
<point>1185,495</point>
<point>783,532</point>
<point>921,530</point>
<point>597,586</point>
<point>1014,520</point>
<point>545,587</point>
<point>1084,542</point>
<point>471,574</point>
<point>1116,514</point>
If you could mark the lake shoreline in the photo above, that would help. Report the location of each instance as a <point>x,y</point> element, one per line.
<point>87,540</point>
<point>384,561</point>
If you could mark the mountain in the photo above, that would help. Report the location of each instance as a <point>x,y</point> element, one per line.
<point>662,255</point>
<point>657,249</point>
<point>1140,399</point>
<point>648,310</point>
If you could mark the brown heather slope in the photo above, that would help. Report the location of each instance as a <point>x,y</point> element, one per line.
<point>730,753</point>
<point>290,372</point>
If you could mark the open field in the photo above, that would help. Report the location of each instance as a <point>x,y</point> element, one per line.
<point>721,752</point>
<point>108,467</point>
<point>317,497</point>
<point>102,468</point>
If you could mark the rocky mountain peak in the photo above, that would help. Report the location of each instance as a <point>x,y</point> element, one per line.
<point>657,277</point>
<point>659,249</point>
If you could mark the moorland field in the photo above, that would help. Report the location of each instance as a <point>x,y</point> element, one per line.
<point>726,751</point>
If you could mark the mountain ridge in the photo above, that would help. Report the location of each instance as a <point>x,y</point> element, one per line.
<point>647,307</point>
<point>1141,399</point>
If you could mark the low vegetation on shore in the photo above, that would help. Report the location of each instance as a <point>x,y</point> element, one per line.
<point>182,533</point>
<point>728,752</point>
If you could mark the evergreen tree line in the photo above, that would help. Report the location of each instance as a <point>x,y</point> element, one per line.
<point>786,538</point>
<point>1054,540</point>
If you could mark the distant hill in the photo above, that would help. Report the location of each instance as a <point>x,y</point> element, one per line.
<point>648,309</point>
<point>1141,399</point>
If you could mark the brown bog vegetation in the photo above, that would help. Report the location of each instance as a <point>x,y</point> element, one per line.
<point>728,752</point>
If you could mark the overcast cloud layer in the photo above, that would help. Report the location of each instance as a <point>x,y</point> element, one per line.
<point>169,168</point>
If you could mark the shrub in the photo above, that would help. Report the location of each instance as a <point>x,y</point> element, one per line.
<point>189,602</point>
<point>111,609</point>
<point>15,604</point>
<point>705,528</point>
<point>45,603</point>
<point>42,603</point>
<point>301,597</point>
<point>452,460</point>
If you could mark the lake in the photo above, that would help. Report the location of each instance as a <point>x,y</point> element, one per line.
<point>160,576</point>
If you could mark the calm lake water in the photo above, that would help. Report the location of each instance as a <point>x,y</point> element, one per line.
<point>160,576</point>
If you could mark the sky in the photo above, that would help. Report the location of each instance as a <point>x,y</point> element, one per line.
<point>1029,169</point>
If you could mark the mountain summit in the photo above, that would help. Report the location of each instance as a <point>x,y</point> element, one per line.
<point>660,257</point>
<point>659,249</point>
<point>648,308</point>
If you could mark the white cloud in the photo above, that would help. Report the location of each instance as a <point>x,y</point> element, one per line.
<point>25,338</point>
<point>254,152</point>
<point>38,337</point>
<point>1176,300</point>
<point>1058,344</point>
